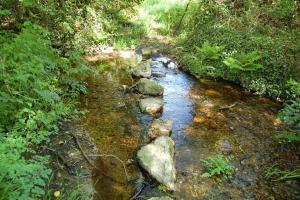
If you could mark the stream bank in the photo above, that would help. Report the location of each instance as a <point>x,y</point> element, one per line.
<point>206,115</point>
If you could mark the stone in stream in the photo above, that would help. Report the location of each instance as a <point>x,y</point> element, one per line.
<point>151,105</point>
<point>157,158</point>
<point>160,127</point>
<point>224,146</point>
<point>163,60</point>
<point>142,70</point>
<point>158,74</point>
<point>156,64</point>
<point>149,87</point>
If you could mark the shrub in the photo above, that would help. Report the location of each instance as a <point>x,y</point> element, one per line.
<point>37,89</point>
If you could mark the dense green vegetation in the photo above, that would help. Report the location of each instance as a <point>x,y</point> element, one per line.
<point>41,47</point>
<point>252,43</point>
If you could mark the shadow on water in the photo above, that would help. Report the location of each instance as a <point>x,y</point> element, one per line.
<point>205,114</point>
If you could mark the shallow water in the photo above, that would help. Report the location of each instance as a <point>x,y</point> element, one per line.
<point>200,124</point>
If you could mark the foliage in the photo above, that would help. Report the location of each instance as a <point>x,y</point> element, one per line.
<point>291,112</point>
<point>210,52</point>
<point>243,62</point>
<point>218,166</point>
<point>293,89</point>
<point>287,136</point>
<point>37,88</point>
<point>276,174</point>
<point>243,29</point>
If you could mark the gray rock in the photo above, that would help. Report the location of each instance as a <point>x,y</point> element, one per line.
<point>172,65</point>
<point>160,127</point>
<point>142,70</point>
<point>157,159</point>
<point>161,198</point>
<point>224,146</point>
<point>149,87</point>
<point>156,64</point>
<point>151,105</point>
<point>163,60</point>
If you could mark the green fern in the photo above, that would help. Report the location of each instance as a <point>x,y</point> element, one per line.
<point>209,51</point>
<point>218,166</point>
<point>243,62</point>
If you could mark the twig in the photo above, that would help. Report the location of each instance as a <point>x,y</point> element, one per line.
<point>228,107</point>
<point>129,89</point>
<point>84,155</point>
<point>182,17</point>
<point>90,162</point>
<point>138,193</point>
<point>117,158</point>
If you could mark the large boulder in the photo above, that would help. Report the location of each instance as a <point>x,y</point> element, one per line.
<point>142,70</point>
<point>149,87</point>
<point>160,127</point>
<point>151,105</point>
<point>157,159</point>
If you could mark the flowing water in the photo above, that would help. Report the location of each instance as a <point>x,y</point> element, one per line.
<point>206,114</point>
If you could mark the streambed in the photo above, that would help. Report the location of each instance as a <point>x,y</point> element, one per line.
<point>201,126</point>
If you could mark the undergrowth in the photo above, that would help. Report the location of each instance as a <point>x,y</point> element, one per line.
<point>37,89</point>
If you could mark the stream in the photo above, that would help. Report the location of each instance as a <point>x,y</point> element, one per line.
<point>206,115</point>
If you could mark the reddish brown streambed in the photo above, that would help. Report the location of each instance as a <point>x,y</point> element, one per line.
<point>205,113</point>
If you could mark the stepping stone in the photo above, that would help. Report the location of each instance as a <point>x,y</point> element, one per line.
<point>157,158</point>
<point>151,105</point>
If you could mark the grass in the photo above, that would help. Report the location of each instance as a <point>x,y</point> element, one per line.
<point>287,136</point>
<point>275,174</point>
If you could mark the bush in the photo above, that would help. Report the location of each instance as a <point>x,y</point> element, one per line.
<point>37,90</point>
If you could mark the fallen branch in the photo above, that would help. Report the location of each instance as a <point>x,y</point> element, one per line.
<point>91,163</point>
<point>82,152</point>
<point>117,158</point>
<point>130,89</point>
<point>227,107</point>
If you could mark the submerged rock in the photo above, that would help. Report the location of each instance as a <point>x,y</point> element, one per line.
<point>151,105</point>
<point>158,74</point>
<point>160,127</point>
<point>224,146</point>
<point>156,64</point>
<point>142,70</point>
<point>149,87</point>
<point>157,159</point>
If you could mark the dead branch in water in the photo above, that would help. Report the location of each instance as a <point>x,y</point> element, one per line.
<point>117,158</point>
<point>221,108</point>
<point>100,155</point>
